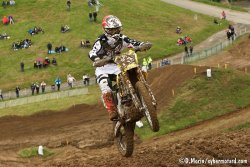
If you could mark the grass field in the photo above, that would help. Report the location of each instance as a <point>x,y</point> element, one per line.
<point>201,99</point>
<point>145,20</point>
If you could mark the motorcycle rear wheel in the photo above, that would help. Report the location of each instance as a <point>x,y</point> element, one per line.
<point>125,139</point>
<point>150,110</point>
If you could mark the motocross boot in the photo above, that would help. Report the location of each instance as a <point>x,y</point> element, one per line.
<point>108,100</point>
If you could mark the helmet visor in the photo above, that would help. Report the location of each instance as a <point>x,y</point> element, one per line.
<point>113,31</point>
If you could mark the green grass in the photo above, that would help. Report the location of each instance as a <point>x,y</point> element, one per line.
<point>242,126</point>
<point>233,7</point>
<point>54,105</point>
<point>201,99</point>
<point>159,21</point>
<point>33,152</point>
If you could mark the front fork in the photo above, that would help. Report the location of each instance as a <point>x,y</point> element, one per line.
<point>141,78</point>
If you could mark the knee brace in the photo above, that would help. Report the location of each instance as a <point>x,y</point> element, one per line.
<point>103,84</point>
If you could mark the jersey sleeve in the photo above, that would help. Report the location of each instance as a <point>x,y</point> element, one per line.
<point>130,43</point>
<point>96,48</point>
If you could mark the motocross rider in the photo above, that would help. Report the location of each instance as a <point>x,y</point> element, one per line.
<point>109,44</point>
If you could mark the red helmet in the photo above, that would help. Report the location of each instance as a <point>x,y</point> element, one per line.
<point>111,25</point>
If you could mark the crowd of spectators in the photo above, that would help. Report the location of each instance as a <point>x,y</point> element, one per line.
<point>26,43</point>
<point>7,20</point>
<point>164,62</point>
<point>8,3</point>
<point>184,40</point>
<point>35,30</point>
<point>43,63</point>
<point>60,49</point>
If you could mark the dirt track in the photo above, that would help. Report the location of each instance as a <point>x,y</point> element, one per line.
<point>82,136</point>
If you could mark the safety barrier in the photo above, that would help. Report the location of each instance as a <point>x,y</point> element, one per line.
<point>43,97</point>
<point>216,48</point>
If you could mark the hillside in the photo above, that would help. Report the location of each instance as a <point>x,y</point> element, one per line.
<point>153,21</point>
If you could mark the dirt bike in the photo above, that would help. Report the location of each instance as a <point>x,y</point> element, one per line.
<point>134,99</point>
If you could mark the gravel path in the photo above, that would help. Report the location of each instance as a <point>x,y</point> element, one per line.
<point>234,16</point>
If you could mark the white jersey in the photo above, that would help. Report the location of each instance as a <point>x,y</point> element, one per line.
<point>107,46</point>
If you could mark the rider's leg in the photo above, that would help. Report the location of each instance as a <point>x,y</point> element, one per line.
<point>107,96</point>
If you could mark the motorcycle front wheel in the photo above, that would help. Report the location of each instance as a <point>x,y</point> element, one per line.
<point>125,139</point>
<point>150,110</point>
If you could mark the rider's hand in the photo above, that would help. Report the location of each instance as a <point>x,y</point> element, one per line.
<point>143,46</point>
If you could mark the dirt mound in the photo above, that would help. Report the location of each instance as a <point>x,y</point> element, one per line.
<point>167,79</point>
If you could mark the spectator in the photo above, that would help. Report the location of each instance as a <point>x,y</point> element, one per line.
<point>58,83</point>
<point>43,85</point>
<point>228,34</point>
<point>223,15</point>
<point>90,17</point>
<point>5,20</point>
<point>46,62</point>
<point>85,44</point>
<point>178,30</point>
<point>12,2</point>
<point>39,64</point>
<point>4,4</point>
<point>145,64</point>
<point>95,16</point>
<point>17,91</point>
<point>82,44</point>
<point>232,31</point>
<point>186,50</point>
<point>149,61</point>
<point>191,50</point>
<point>32,87</point>
<point>1,95</point>
<point>49,46</point>
<point>145,71</point>
<point>11,20</point>
<point>68,4</point>
<point>165,62</point>
<point>85,79</point>
<point>70,80</point>
<point>22,66</point>
<point>37,87</point>
<point>64,28</point>
<point>54,62</point>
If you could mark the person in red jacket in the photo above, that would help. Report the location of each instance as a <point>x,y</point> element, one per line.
<point>5,20</point>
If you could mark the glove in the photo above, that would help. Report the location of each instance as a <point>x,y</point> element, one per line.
<point>102,62</point>
<point>143,46</point>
